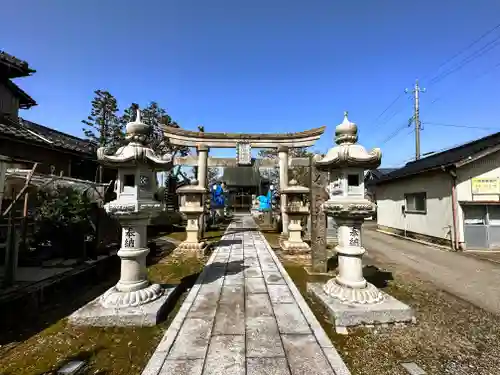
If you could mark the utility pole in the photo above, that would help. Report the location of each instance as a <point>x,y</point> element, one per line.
<point>416,116</point>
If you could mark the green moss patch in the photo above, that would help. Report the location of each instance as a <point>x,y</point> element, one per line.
<point>110,351</point>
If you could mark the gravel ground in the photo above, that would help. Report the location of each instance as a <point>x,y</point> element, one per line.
<point>452,336</point>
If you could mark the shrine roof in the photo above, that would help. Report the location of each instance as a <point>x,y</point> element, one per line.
<point>241,176</point>
<point>179,136</point>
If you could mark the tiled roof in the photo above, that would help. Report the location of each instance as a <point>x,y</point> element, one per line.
<point>25,101</point>
<point>379,172</point>
<point>456,156</point>
<point>241,176</point>
<point>42,135</point>
<point>12,67</point>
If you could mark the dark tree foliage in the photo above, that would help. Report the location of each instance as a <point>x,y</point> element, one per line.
<point>300,174</point>
<point>105,128</point>
<point>129,114</point>
<point>103,125</point>
<point>155,116</point>
<point>62,218</point>
<point>213,175</point>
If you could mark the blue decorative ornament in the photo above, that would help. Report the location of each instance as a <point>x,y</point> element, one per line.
<point>218,197</point>
<point>264,203</point>
<point>270,195</point>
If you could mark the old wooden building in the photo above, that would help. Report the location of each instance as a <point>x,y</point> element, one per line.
<point>23,143</point>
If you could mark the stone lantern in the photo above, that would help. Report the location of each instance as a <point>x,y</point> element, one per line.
<point>348,296</point>
<point>134,206</point>
<point>193,209</point>
<point>296,210</point>
<point>346,164</point>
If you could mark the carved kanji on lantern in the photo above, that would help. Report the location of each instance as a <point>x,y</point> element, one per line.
<point>354,237</point>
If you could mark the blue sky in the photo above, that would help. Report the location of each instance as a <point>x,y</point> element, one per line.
<point>264,66</point>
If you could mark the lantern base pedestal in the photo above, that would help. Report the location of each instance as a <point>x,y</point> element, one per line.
<point>148,314</point>
<point>361,296</point>
<point>295,247</point>
<point>388,311</point>
<point>115,298</point>
<point>196,248</point>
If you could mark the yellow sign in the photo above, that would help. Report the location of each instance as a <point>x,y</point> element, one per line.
<point>485,185</point>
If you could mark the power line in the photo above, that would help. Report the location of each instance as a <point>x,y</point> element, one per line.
<point>485,34</point>
<point>392,135</point>
<point>462,126</point>
<point>388,107</point>
<point>475,55</point>
<point>395,133</point>
<point>482,74</point>
<point>393,114</point>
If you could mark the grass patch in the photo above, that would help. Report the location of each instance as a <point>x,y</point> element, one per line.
<point>110,351</point>
<point>451,336</point>
<point>273,238</point>
<point>212,235</point>
<point>177,235</point>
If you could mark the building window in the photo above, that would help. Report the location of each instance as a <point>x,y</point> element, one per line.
<point>416,203</point>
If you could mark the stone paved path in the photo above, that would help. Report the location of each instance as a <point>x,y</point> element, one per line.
<point>474,280</point>
<point>245,316</point>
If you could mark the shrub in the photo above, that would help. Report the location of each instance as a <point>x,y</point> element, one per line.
<point>62,220</point>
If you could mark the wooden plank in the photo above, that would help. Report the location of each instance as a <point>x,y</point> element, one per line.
<point>318,193</point>
<point>25,187</point>
<point>11,253</point>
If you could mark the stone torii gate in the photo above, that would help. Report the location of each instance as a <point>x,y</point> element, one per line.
<point>243,143</point>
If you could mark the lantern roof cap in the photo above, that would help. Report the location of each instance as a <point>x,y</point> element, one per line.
<point>347,152</point>
<point>136,151</point>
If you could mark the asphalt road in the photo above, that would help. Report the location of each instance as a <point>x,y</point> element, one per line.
<point>474,280</point>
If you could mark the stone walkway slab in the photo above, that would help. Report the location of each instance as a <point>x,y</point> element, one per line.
<point>245,316</point>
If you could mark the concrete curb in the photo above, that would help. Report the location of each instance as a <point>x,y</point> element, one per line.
<point>439,247</point>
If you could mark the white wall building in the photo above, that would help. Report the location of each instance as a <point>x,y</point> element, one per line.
<point>451,197</point>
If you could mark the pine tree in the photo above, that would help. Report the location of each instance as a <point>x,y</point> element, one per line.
<point>129,114</point>
<point>300,174</point>
<point>104,128</point>
<point>157,117</point>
